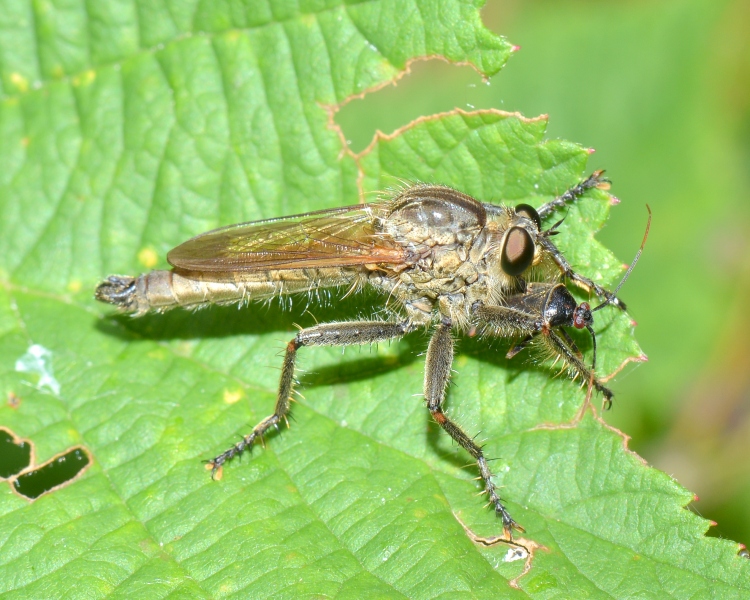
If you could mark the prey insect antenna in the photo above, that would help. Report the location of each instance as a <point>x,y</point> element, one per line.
<point>632,264</point>
<point>593,342</point>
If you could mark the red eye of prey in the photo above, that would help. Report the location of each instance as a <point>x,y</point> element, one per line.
<point>579,315</point>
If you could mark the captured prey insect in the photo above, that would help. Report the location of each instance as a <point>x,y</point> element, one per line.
<point>450,262</point>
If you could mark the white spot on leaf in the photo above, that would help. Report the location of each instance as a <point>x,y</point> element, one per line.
<point>39,360</point>
<point>514,554</point>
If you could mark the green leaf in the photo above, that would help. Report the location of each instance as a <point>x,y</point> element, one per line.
<point>127,128</point>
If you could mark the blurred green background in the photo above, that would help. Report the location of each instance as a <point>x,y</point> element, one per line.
<point>661,90</point>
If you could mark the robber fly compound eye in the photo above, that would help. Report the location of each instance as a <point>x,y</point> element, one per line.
<point>517,252</point>
<point>528,211</point>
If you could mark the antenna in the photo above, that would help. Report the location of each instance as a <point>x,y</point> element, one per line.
<point>630,268</point>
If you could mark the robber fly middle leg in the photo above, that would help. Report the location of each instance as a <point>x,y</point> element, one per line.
<point>327,334</point>
<point>436,377</point>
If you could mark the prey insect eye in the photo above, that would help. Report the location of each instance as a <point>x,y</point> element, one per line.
<point>529,212</point>
<point>582,316</point>
<point>518,251</point>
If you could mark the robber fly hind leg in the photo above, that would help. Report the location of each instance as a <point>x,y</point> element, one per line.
<point>328,334</point>
<point>436,376</point>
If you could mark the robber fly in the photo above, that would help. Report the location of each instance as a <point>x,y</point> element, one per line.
<point>450,262</point>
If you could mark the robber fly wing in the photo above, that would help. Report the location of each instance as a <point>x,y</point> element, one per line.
<point>333,238</point>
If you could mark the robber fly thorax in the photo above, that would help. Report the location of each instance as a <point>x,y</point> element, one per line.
<point>449,261</point>
<point>455,254</point>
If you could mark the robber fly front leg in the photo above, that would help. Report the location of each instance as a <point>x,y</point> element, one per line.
<point>595,180</point>
<point>436,376</point>
<point>328,334</point>
<point>581,281</point>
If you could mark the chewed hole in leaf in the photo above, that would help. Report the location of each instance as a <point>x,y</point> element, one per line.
<point>54,473</point>
<point>15,454</point>
<point>428,87</point>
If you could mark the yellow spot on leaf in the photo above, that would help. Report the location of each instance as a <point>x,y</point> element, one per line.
<point>184,347</point>
<point>85,78</point>
<point>157,354</point>
<point>232,396</point>
<point>13,400</point>
<point>420,513</point>
<point>74,286</point>
<point>20,82</point>
<point>148,258</point>
<point>228,586</point>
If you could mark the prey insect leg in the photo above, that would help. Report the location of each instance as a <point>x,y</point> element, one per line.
<point>562,349</point>
<point>569,340</point>
<point>436,376</point>
<point>508,321</point>
<point>328,334</point>
<point>519,346</point>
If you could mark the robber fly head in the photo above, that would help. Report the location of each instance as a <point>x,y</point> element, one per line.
<point>514,235</point>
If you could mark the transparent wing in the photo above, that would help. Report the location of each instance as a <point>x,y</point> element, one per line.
<point>330,238</point>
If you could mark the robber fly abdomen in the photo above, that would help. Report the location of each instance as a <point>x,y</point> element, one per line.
<point>445,259</point>
<point>162,290</point>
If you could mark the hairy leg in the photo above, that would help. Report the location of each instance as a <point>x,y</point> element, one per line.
<point>595,180</point>
<point>436,376</point>
<point>559,346</point>
<point>328,334</point>
<point>580,280</point>
<point>509,322</point>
